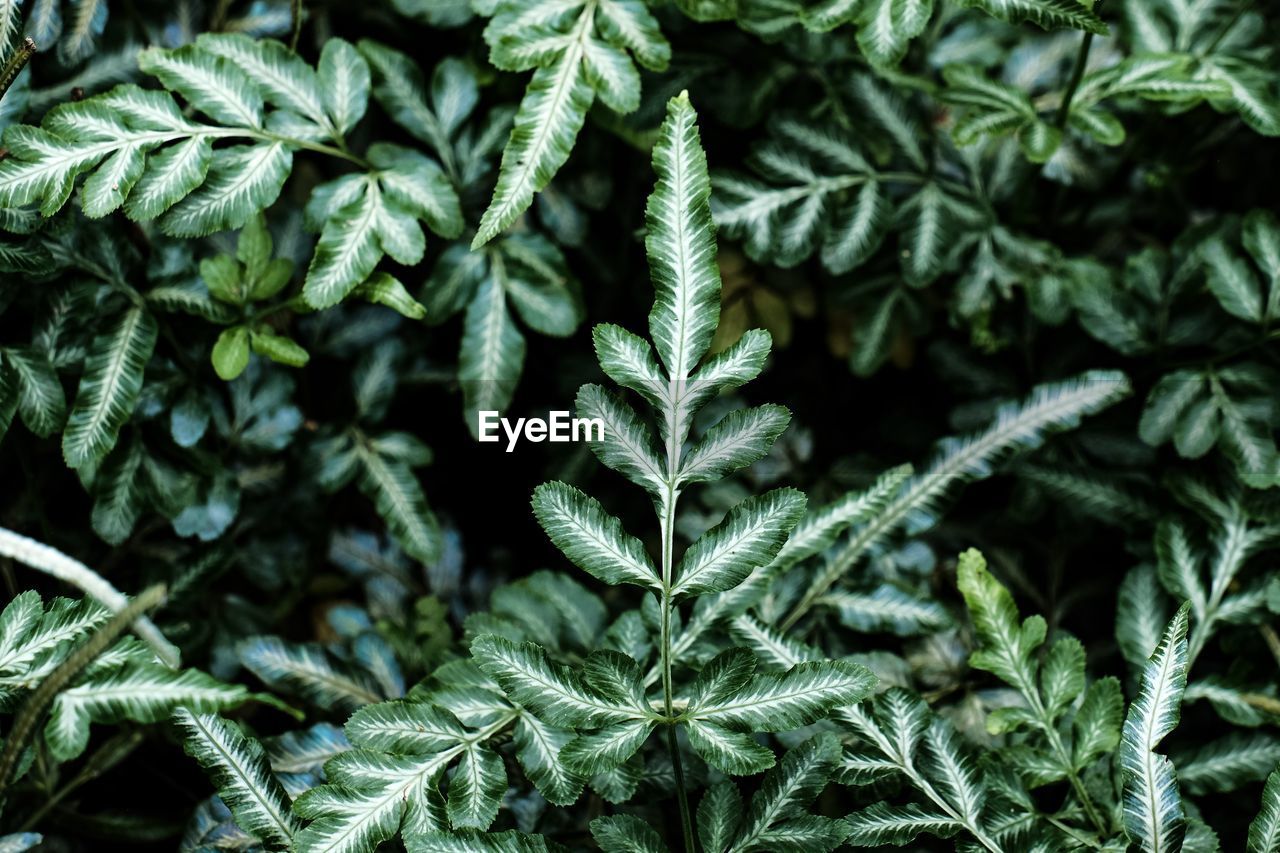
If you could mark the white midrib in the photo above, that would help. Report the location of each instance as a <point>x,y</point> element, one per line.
<point>570,66</point>
<point>284,826</point>
<point>115,369</point>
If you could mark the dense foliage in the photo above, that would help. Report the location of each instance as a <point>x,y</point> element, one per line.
<point>262,265</point>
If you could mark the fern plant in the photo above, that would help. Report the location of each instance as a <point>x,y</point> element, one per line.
<point>258,255</point>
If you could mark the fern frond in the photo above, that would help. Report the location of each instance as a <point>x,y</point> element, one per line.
<point>1018,427</point>
<point>1153,812</point>
<point>238,767</point>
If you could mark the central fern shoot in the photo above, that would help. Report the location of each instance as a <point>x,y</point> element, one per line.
<point>727,701</point>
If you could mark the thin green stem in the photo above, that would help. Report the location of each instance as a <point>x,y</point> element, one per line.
<point>673,745</point>
<point>29,715</point>
<point>1077,74</point>
<point>296,14</point>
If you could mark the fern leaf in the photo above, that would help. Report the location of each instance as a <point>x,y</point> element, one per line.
<point>579,49</point>
<point>1046,14</point>
<point>109,388</point>
<point>240,772</point>
<point>802,695</point>
<point>885,27</point>
<point>626,834</point>
<point>737,440</point>
<point>476,789</point>
<point>785,794</point>
<point>540,748</point>
<point>1264,832</point>
<point>141,692</point>
<point>344,83</point>
<point>591,538</point>
<point>881,824</point>
<point>213,85</point>
<point>242,180</point>
<point>1227,763</point>
<point>492,354</point>
<point>41,402</point>
<point>558,694</point>
<point>680,246</point>
<point>553,110</point>
<point>627,446</point>
<point>307,671</point>
<point>750,536</point>
<point>1017,427</point>
<point>399,499</point>
<point>1153,811</point>
<point>285,80</point>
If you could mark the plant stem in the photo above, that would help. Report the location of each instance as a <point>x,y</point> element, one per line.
<point>25,721</point>
<point>1077,74</point>
<point>53,562</point>
<point>14,65</point>
<point>296,13</point>
<point>673,745</point>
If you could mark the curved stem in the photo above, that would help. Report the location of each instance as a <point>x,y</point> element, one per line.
<point>39,556</point>
<point>1077,74</point>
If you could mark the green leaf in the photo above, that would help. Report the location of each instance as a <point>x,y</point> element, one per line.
<point>559,695</point>
<point>1096,727</point>
<point>882,824</point>
<point>213,85</point>
<point>680,245</point>
<point>284,79</point>
<point>109,388</point>
<point>750,536</point>
<point>781,701</point>
<point>578,50</point>
<point>1264,832</point>
<point>1047,14</point>
<point>242,180</point>
<point>592,539</point>
<point>278,348</point>
<point>308,671</point>
<point>887,608</point>
<point>627,446</point>
<point>391,484</point>
<point>607,749</point>
<point>734,753</point>
<point>737,440</point>
<point>140,692</point>
<point>776,816</point>
<point>1008,648</point>
<point>230,354</point>
<point>385,289</point>
<point>540,748</point>
<point>626,834</point>
<point>404,728</point>
<point>812,190</point>
<point>551,114</point>
<point>1227,763</point>
<point>39,396</point>
<point>1153,812</point>
<point>1232,281</point>
<point>239,769</point>
<point>718,816</point>
<point>476,789</point>
<point>885,27</point>
<point>344,83</point>
<point>118,493</point>
<point>492,354</point>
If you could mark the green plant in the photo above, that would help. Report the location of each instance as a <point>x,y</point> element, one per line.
<point>261,260</point>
